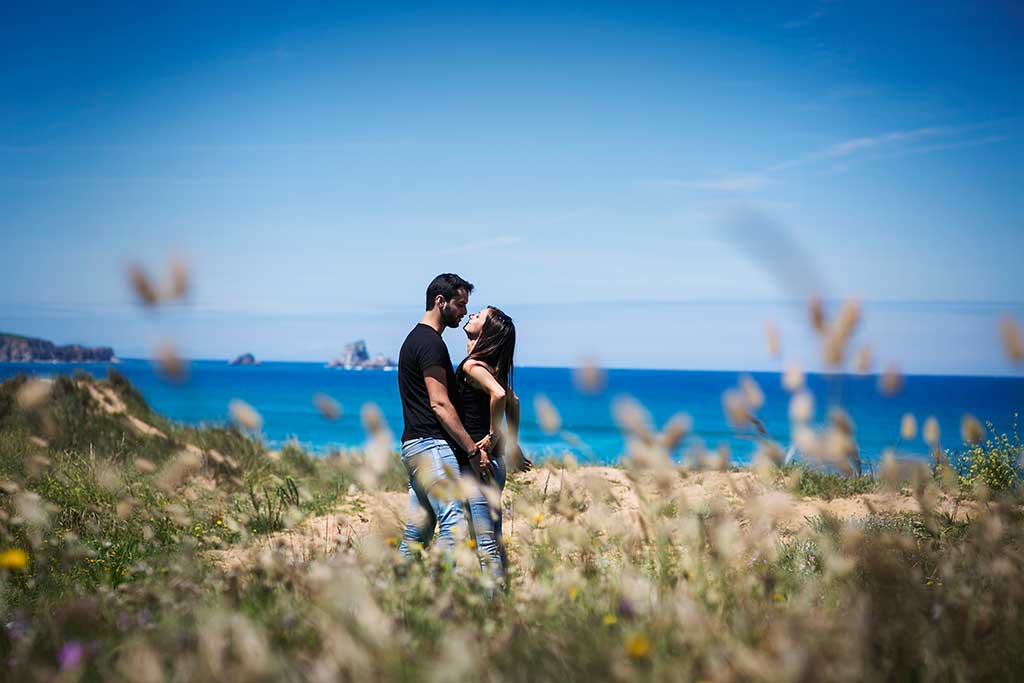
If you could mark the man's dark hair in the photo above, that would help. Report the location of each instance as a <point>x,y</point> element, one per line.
<point>448,286</point>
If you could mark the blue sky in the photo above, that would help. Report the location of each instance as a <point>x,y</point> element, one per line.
<point>588,166</point>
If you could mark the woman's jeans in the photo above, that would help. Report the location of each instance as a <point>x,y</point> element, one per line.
<point>485,519</point>
<point>434,499</point>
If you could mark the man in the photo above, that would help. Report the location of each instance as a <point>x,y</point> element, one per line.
<point>433,431</point>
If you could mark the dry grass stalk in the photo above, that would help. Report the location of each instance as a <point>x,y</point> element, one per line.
<point>864,359</point>
<point>793,378</point>
<point>801,407</point>
<point>372,418</point>
<point>170,365</point>
<point>931,431</point>
<point>971,430</point>
<point>145,466</point>
<point>840,332</point>
<point>908,427</point>
<point>817,312</point>
<point>547,415</point>
<point>589,378</point>
<point>33,393</point>
<point>752,393</point>
<point>178,287</point>
<point>327,406</point>
<point>142,285</point>
<point>245,415</point>
<point>890,382</point>
<point>1013,341</point>
<point>771,333</point>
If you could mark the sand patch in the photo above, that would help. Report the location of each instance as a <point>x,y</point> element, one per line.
<point>111,403</point>
<point>377,513</point>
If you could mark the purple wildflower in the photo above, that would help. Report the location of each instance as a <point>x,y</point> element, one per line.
<point>71,655</point>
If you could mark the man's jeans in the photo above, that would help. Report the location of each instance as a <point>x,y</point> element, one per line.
<point>485,518</point>
<point>434,499</point>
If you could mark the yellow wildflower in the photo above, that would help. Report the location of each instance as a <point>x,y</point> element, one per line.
<point>609,620</point>
<point>470,543</point>
<point>13,558</point>
<point>573,592</point>
<point>638,646</point>
<point>538,518</point>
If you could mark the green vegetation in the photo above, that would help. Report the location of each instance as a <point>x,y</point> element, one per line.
<point>109,569</point>
<point>994,464</point>
<point>267,512</point>
<point>810,482</point>
<point>105,500</point>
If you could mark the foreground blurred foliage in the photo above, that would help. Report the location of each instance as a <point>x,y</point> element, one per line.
<point>114,524</point>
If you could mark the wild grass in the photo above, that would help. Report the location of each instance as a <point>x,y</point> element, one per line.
<point>106,573</point>
<point>807,481</point>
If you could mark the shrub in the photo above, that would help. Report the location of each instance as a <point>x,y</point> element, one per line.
<point>994,464</point>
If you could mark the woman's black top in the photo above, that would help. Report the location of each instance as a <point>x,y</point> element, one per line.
<point>475,408</point>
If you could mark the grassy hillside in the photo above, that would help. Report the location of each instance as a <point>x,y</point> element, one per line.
<point>132,548</point>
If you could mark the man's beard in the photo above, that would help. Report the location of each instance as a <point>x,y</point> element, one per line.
<point>449,317</point>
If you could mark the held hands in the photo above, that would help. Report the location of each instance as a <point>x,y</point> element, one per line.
<point>480,459</point>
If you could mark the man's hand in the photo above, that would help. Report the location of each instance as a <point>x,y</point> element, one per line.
<point>486,443</point>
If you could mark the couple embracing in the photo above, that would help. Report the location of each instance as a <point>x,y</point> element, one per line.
<point>460,422</point>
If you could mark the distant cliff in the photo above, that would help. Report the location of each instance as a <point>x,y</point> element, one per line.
<point>355,356</point>
<point>15,348</point>
<point>245,359</point>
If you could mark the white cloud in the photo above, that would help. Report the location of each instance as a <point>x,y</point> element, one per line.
<point>895,143</point>
<point>856,144</point>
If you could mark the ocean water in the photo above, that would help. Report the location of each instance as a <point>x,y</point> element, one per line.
<point>282,393</point>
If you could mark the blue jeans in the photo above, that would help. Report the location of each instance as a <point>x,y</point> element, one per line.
<point>434,500</point>
<point>485,520</point>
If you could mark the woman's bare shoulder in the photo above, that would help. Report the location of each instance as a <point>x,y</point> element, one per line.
<point>472,363</point>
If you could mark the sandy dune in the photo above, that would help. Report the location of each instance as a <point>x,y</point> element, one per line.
<point>380,515</point>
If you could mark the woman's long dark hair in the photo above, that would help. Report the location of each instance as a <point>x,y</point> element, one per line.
<point>496,346</point>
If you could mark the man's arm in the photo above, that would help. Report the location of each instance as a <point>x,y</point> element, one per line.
<point>437,389</point>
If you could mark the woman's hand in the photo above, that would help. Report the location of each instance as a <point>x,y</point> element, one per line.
<point>518,459</point>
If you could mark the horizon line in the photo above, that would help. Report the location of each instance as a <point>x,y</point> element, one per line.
<point>1018,374</point>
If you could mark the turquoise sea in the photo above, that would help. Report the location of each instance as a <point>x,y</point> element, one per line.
<point>282,393</point>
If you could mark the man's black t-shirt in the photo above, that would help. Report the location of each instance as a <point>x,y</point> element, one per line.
<point>422,349</point>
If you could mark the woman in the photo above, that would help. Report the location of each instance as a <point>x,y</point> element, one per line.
<point>484,384</point>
